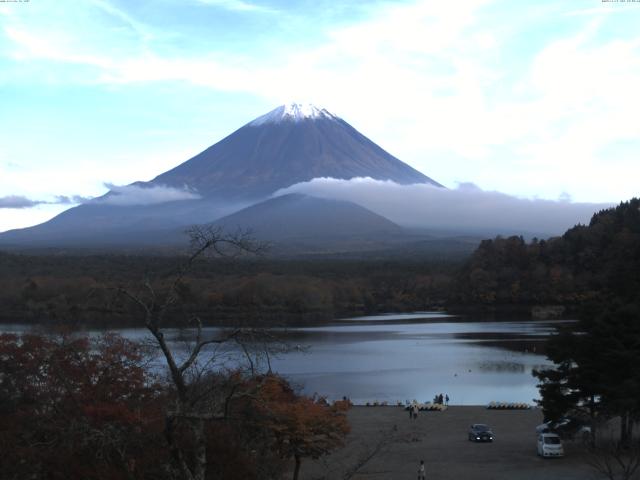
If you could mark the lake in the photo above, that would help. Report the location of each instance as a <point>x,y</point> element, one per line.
<point>410,356</point>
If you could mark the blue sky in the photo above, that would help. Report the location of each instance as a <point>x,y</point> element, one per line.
<point>537,99</point>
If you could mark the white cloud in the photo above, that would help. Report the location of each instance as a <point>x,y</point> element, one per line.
<point>236,5</point>
<point>465,208</point>
<point>144,195</point>
<point>57,47</point>
<point>140,28</point>
<point>605,9</point>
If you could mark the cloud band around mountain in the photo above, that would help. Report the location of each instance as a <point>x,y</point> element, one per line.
<point>465,208</point>
<point>126,195</point>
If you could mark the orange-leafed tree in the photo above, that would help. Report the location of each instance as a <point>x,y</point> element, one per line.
<point>302,427</point>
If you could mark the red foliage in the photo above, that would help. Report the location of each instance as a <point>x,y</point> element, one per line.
<point>302,426</point>
<point>74,408</point>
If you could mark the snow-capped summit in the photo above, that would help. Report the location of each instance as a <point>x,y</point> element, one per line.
<point>292,112</point>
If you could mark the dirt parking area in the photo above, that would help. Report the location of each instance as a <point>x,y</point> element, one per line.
<point>386,444</point>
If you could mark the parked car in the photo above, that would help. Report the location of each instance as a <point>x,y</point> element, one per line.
<point>479,432</point>
<point>550,445</point>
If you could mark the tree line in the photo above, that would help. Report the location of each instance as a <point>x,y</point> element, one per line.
<point>597,371</point>
<point>587,263</point>
<point>54,289</point>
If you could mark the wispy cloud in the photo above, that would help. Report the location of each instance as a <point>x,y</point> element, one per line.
<point>466,208</point>
<point>50,47</point>
<point>237,5</point>
<point>604,9</point>
<point>71,200</point>
<point>17,201</point>
<point>20,201</point>
<point>121,195</point>
<point>138,27</point>
<point>125,195</point>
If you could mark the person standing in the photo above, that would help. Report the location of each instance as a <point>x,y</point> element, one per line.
<point>415,411</point>
<point>446,399</point>
<point>422,471</point>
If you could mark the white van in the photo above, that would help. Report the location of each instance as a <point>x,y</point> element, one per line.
<point>550,445</point>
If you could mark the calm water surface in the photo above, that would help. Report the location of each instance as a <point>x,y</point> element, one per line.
<point>411,356</point>
<point>416,356</point>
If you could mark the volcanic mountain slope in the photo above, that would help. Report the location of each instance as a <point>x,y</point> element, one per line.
<point>102,225</point>
<point>296,216</point>
<point>293,143</point>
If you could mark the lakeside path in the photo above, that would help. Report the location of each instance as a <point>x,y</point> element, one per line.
<point>440,439</point>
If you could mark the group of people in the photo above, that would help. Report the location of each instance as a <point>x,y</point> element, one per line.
<point>441,399</point>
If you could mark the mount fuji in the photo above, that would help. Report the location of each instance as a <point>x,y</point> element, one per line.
<point>290,144</point>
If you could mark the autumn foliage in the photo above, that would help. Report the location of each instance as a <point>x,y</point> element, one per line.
<point>72,407</point>
<point>302,427</point>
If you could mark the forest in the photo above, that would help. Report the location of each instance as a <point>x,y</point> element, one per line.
<point>75,289</point>
<point>587,263</point>
<point>582,265</point>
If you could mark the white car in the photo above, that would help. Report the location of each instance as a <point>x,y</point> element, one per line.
<point>550,445</point>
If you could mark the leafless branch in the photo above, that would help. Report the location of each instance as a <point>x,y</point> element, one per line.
<point>197,401</point>
<point>614,461</point>
<point>200,344</point>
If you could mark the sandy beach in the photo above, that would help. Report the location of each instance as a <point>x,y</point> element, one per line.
<point>396,444</point>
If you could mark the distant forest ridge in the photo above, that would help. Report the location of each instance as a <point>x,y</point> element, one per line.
<point>587,263</point>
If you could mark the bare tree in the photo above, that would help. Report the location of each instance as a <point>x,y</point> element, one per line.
<point>616,461</point>
<point>195,402</point>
